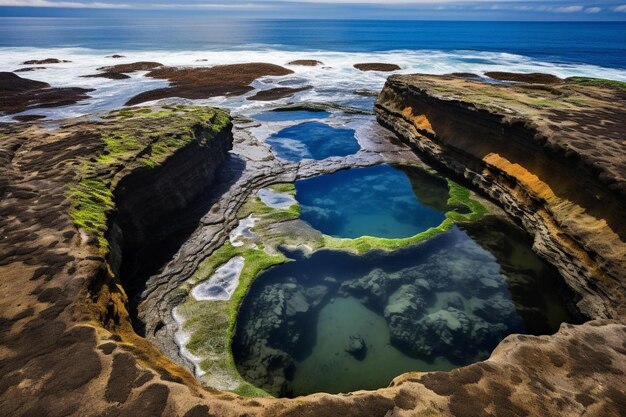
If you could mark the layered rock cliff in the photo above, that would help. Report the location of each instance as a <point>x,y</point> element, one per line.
<point>551,155</point>
<point>67,346</point>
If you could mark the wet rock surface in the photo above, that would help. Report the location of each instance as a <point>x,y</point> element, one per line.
<point>377,66</point>
<point>306,62</point>
<point>197,83</point>
<point>277,93</point>
<point>44,61</point>
<point>18,94</point>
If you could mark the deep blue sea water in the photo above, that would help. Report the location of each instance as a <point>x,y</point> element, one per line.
<point>602,44</point>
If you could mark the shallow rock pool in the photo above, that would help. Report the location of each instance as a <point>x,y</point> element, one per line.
<point>379,201</point>
<point>336,322</point>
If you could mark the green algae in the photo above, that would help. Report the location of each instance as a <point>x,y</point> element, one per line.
<point>212,323</point>
<point>597,82</point>
<point>133,139</point>
<point>91,201</point>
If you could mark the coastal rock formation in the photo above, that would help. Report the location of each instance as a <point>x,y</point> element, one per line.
<point>121,71</point>
<point>277,93</point>
<point>306,62</point>
<point>44,61</point>
<point>551,155</point>
<point>377,66</point>
<point>18,94</point>
<point>66,336</point>
<point>198,83</point>
<point>71,199</point>
<point>28,69</point>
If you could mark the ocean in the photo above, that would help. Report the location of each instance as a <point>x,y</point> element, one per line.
<point>564,49</point>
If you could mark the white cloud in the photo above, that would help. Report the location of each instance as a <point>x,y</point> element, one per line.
<point>593,10</point>
<point>621,8</point>
<point>568,9</point>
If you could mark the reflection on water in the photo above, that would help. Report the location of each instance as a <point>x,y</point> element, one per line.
<point>380,201</point>
<point>313,140</point>
<point>336,322</point>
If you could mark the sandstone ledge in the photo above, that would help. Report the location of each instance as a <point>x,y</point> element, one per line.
<point>551,156</point>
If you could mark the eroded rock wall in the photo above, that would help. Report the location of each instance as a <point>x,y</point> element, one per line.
<point>523,154</point>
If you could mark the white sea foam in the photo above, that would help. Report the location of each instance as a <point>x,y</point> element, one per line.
<point>222,284</point>
<point>335,81</point>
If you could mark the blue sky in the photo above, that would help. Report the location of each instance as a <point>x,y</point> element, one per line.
<point>540,10</point>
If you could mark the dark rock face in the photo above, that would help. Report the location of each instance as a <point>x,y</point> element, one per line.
<point>198,83</point>
<point>377,66</point>
<point>18,94</point>
<point>564,184</point>
<point>60,268</point>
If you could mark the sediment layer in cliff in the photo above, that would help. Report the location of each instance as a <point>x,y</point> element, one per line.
<point>551,155</point>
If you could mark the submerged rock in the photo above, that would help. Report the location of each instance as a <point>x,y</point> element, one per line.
<point>356,347</point>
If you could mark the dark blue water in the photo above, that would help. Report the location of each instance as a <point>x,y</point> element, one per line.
<point>379,201</point>
<point>313,140</point>
<point>596,43</point>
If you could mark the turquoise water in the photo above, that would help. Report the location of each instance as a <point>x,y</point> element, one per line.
<point>285,116</point>
<point>313,140</point>
<point>435,306</point>
<point>380,201</point>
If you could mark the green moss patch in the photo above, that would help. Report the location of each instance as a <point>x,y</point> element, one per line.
<point>135,138</point>
<point>597,82</point>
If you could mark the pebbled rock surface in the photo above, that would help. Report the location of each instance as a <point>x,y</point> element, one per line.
<point>18,94</point>
<point>551,155</point>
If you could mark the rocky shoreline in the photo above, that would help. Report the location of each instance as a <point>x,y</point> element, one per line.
<point>66,332</point>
